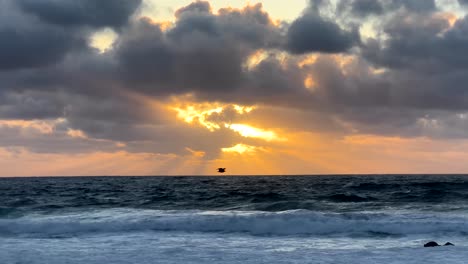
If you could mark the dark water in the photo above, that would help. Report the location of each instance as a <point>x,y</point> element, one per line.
<point>316,193</point>
<point>310,219</point>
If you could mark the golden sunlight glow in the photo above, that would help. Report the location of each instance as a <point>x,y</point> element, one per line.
<point>344,60</point>
<point>243,109</point>
<point>372,140</point>
<point>241,149</point>
<point>367,30</point>
<point>255,58</point>
<point>42,126</point>
<point>198,154</point>
<point>308,59</point>
<point>309,82</point>
<point>200,113</point>
<point>165,25</point>
<point>103,40</point>
<point>378,71</point>
<point>249,131</point>
<point>120,144</point>
<point>447,16</point>
<point>76,133</point>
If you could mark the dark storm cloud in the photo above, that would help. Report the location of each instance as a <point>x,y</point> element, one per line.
<point>364,7</point>
<point>313,33</point>
<point>423,43</point>
<point>412,5</point>
<point>84,87</point>
<point>30,105</point>
<point>102,13</point>
<point>48,71</point>
<point>84,71</point>
<point>202,51</point>
<point>273,80</point>
<point>114,117</point>
<point>34,46</point>
<point>26,43</point>
<point>403,103</point>
<point>361,7</point>
<point>178,68</point>
<point>42,32</point>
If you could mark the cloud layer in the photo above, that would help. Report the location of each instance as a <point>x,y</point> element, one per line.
<point>384,68</point>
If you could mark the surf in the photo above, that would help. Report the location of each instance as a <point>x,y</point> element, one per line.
<point>256,223</point>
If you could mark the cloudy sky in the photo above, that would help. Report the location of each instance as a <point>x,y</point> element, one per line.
<point>175,87</point>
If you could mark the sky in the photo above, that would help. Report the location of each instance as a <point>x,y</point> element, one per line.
<point>176,87</point>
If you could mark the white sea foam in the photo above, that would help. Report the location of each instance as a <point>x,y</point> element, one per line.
<point>196,248</point>
<point>297,222</point>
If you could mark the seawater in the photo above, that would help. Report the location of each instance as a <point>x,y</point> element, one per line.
<point>276,219</point>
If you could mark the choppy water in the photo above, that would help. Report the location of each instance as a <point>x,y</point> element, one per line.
<point>309,219</point>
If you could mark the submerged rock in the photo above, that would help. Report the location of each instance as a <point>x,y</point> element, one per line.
<point>449,244</point>
<point>431,244</point>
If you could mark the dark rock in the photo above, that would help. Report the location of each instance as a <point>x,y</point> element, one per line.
<point>431,244</point>
<point>449,244</point>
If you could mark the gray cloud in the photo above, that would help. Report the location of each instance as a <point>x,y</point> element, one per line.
<point>421,42</point>
<point>48,71</point>
<point>197,7</point>
<point>26,43</point>
<point>41,33</point>
<point>31,47</point>
<point>202,51</point>
<point>360,10</point>
<point>103,13</point>
<point>361,7</point>
<point>30,105</point>
<point>413,5</point>
<point>391,103</point>
<point>57,141</point>
<point>312,33</point>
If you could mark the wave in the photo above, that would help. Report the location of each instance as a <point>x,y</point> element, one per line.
<point>347,198</point>
<point>370,186</point>
<point>297,222</point>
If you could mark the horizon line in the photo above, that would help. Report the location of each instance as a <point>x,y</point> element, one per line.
<point>243,175</point>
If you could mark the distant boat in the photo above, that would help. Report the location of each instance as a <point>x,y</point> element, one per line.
<point>221,170</point>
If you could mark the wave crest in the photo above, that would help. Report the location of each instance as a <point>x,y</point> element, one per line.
<point>297,222</point>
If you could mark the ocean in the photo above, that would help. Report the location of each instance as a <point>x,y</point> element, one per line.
<point>278,219</point>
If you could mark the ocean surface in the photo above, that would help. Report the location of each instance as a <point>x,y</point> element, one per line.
<point>278,219</point>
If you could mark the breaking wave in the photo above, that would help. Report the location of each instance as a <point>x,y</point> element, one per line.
<point>286,223</point>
